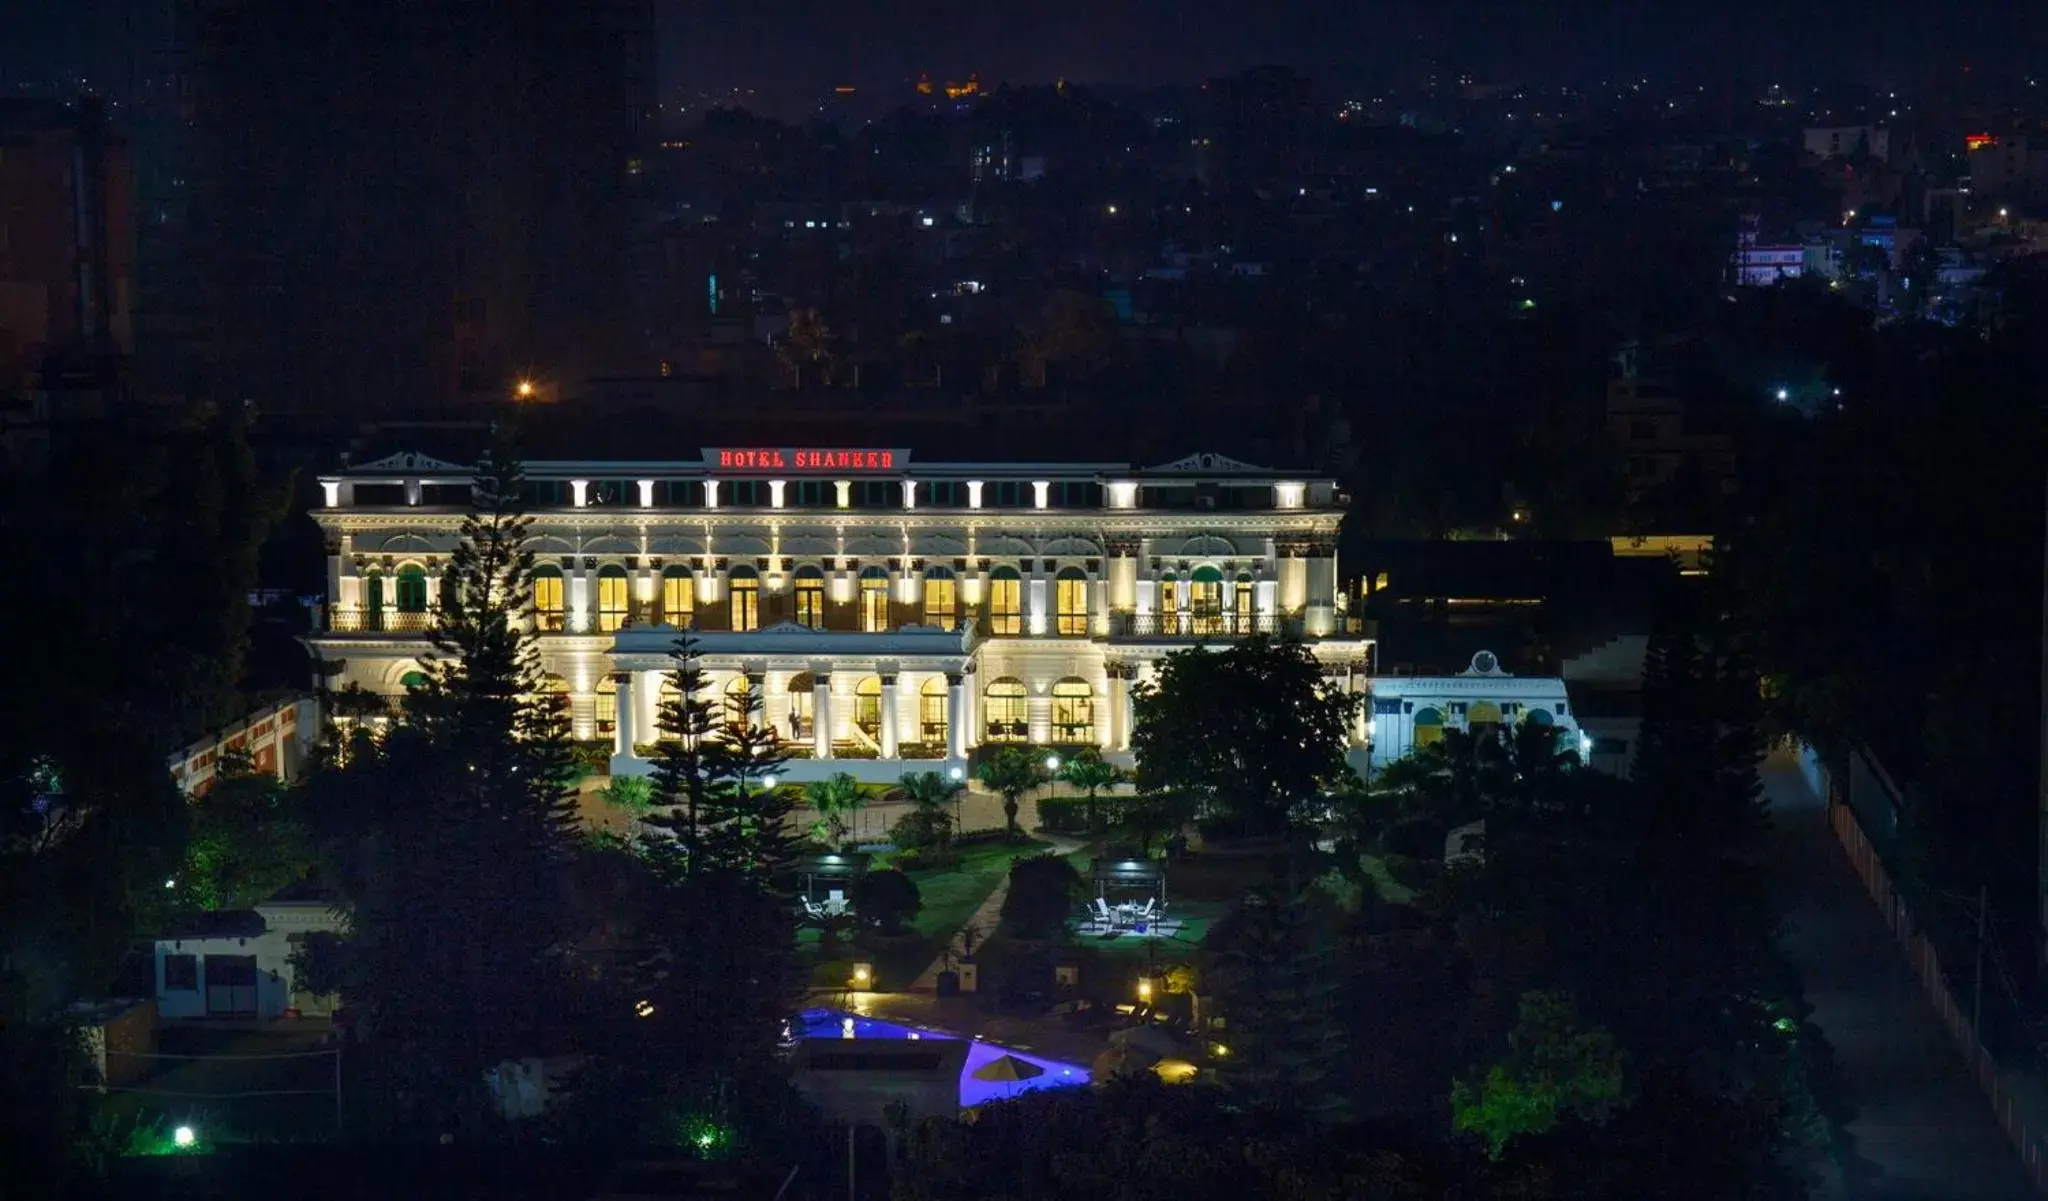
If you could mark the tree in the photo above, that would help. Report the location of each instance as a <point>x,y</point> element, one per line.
<point>1273,966</point>
<point>1149,816</point>
<point>836,798</point>
<point>705,963</point>
<point>1250,730</point>
<point>247,840</point>
<point>1043,889</point>
<point>1554,1068</point>
<point>452,980</point>
<point>1086,770</point>
<point>928,828</point>
<point>1012,771</point>
<point>886,900</point>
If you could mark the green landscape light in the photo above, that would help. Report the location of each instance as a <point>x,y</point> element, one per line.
<point>184,1137</point>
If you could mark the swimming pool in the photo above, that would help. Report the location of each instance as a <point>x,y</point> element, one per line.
<point>835,1023</point>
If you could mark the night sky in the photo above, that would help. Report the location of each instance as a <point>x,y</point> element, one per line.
<point>785,45</point>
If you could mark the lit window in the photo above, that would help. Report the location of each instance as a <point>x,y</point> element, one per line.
<point>874,600</point>
<point>1205,600</point>
<point>1244,604</point>
<point>745,599</point>
<point>867,707</point>
<point>1073,711</point>
<point>941,598</point>
<point>1007,713</point>
<point>931,711</point>
<point>1005,601</point>
<point>1072,602</point>
<point>810,598</point>
<point>547,599</point>
<point>800,698</point>
<point>612,598</point>
<point>607,710</point>
<point>678,596</point>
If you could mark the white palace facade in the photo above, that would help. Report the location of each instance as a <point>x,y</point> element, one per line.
<point>894,615</point>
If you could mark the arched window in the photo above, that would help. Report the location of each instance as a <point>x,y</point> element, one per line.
<point>931,711</point>
<point>554,690</point>
<point>1483,718</point>
<point>739,701</point>
<point>810,597</point>
<point>613,598</point>
<point>1244,603</point>
<point>1205,600</point>
<point>1005,601</point>
<point>1429,726</point>
<point>678,596</point>
<point>1539,716</point>
<point>412,589</point>
<point>1073,711</point>
<point>867,706</point>
<point>547,599</point>
<point>373,601</point>
<point>744,600</point>
<point>1070,596</point>
<point>874,600</point>
<point>941,597</point>
<point>800,686</point>
<point>1009,717</point>
<point>412,680</point>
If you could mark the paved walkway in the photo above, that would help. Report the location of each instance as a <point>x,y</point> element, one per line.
<point>983,922</point>
<point>1922,1130</point>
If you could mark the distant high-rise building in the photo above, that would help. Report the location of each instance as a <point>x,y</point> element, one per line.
<point>67,244</point>
<point>406,204</point>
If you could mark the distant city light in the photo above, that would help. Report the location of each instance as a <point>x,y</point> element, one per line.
<point>1112,210</point>
<point>1784,394</point>
<point>1557,206</point>
<point>525,389</point>
<point>927,222</point>
<point>170,883</point>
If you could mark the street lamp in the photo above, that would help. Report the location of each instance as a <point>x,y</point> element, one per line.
<point>524,389</point>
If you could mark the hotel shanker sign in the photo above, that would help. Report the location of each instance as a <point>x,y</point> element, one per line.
<point>808,458</point>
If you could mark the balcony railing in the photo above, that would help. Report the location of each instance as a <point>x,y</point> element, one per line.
<point>381,621</point>
<point>1200,625</point>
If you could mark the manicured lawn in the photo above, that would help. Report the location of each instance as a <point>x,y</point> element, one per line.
<point>1196,918</point>
<point>949,895</point>
<point>214,1110</point>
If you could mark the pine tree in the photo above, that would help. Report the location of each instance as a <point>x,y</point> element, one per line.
<point>1279,993</point>
<point>714,966</point>
<point>462,923</point>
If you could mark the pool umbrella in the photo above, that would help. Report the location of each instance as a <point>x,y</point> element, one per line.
<point>1008,1069</point>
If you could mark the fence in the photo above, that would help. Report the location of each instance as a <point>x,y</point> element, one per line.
<point>1921,956</point>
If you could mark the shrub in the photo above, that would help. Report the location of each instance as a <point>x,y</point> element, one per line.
<point>922,830</point>
<point>1416,838</point>
<point>886,899</point>
<point>1042,893</point>
<point>634,794</point>
<point>1063,815</point>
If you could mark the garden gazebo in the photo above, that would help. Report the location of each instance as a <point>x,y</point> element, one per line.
<point>827,882</point>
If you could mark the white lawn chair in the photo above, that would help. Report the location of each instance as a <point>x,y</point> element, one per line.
<point>1149,911</point>
<point>1102,914</point>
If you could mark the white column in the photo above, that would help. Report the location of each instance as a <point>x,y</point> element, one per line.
<point>956,716</point>
<point>626,719</point>
<point>1034,602</point>
<point>1098,605</point>
<point>821,715</point>
<point>1119,705</point>
<point>889,744</point>
<point>1322,593</point>
<point>647,692</point>
<point>579,582</point>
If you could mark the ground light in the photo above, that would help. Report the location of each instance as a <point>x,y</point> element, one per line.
<point>1145,989</point>
<point>863,976</point>
<point>184,1136</point>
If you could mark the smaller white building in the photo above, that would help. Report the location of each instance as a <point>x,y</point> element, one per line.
<point>1415,711</point>
<point>237,964</point>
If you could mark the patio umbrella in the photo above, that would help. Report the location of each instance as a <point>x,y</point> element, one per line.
<point>1008,1069</point>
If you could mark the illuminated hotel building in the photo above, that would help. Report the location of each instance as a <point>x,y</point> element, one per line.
<point>893,614</point>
